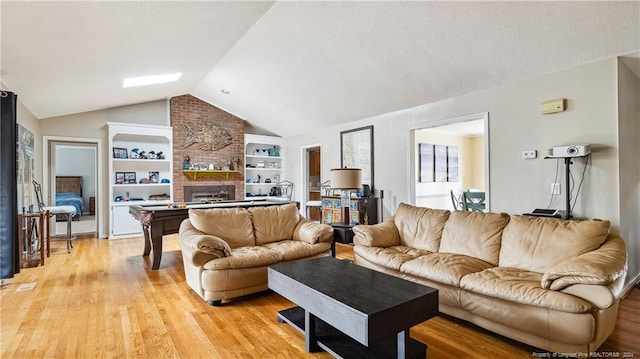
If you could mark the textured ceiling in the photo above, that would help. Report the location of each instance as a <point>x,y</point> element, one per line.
<point>295,67</point>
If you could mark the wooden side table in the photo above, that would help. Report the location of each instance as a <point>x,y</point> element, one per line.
<point>33,238</point>
<point>342,233</point>
<point>92,205</point>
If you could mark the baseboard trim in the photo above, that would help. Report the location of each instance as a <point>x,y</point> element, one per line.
<point>635,282</point>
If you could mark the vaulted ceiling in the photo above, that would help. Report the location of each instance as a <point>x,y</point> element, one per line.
<point>295,67</point>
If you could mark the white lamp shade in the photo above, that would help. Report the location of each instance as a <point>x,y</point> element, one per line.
<point>346,178</point>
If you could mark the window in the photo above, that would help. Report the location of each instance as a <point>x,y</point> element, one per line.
<point>438,163</point>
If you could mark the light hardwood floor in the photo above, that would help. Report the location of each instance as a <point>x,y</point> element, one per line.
<point>103,301</point>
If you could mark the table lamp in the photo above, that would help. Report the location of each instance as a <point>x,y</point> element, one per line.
<point>346,180</point>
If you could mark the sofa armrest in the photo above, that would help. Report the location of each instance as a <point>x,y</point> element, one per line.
<point>312,232</point>
<point>602,296</point>
<point>384,234</point>
<point>600,267</point>
<point>200,247</point>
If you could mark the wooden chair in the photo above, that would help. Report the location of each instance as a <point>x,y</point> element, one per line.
<point>473,201</point>
<point>458,204</point>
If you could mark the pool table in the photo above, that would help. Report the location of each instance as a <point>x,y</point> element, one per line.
<point>158,220</point>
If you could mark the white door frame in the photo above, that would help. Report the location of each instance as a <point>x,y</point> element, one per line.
<point>421,125</point>
<point>46,172</point>
<point>304,174</point>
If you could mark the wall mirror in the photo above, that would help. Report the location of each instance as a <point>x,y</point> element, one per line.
<point>356,151</point>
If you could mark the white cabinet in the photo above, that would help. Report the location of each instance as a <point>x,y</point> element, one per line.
<point>264,164</point>
<point>122,223</point>
<point>135,179</point>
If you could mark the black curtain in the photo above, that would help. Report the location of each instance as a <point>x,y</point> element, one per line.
<point>9,256</point>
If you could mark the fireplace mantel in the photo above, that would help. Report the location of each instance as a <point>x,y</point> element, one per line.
<point>195,174</point>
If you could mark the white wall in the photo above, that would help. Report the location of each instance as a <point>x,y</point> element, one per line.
<point>25,118</point>
<point>629,133</point>
<point>93,125</point>
<point>515,124</point>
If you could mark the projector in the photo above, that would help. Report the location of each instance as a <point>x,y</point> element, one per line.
<point>569,151</point>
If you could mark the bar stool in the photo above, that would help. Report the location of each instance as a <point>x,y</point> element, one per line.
<point>317,204</point>
<point>66,211</point>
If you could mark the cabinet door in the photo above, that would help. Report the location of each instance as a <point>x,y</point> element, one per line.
<point>314,163</point>
<point>122,222</point>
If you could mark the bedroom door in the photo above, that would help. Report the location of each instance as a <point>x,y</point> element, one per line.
<point>73,182</point>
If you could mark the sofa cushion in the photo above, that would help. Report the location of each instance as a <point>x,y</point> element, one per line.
<point>312,232</point>
<point>420,227</point>
<point>291,249</point>
<point>274,223</point>
<point>602,266</point>
<point>475,234</point>
<point>384,234</point>
<point>245,257</point>
<point>231,224</point>
<point>521,286</point>
<point>537,244</point>
<point>447,268</point>
<point>389,257</point>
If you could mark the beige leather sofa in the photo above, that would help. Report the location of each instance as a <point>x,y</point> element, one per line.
<point>226,251</point>
<point>550,283</point>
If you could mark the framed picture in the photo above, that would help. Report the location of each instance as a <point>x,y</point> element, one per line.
<point>356,151</point>
<point>426,159</point>
<point>119,177</point>
<point>438,163</point>
<point>129,177</point>
<point>154,177</point>
<point>119,152</point>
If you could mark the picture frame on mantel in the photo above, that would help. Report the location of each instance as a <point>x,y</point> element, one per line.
<point>356,151</point>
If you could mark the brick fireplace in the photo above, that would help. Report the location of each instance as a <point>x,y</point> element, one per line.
<point>195,113</point>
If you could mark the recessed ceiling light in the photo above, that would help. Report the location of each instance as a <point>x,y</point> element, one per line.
<point>150,80</point>
<point>225,91</point>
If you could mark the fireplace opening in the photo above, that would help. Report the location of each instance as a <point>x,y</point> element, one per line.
<point>208,194</point>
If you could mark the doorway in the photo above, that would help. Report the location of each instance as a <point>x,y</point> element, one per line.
<point>311,183</point>
<point>78,160</point>
<point>449,157</point>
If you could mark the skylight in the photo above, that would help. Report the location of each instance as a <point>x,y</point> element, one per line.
<point>150,80</point>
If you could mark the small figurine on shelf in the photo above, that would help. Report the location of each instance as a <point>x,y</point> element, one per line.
<point>274,152</point>
<point>234,163</point>
<point>186,163</point>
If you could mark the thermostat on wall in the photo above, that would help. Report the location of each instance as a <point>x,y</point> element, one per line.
<point>553,106</point>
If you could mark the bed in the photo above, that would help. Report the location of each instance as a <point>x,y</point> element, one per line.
<point>69,192</point>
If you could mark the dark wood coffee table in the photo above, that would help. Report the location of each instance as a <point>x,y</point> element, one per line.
<point>351,311</point>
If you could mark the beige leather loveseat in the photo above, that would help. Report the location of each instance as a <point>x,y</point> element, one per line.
<point>226,251</point>
<point>547,282</point>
